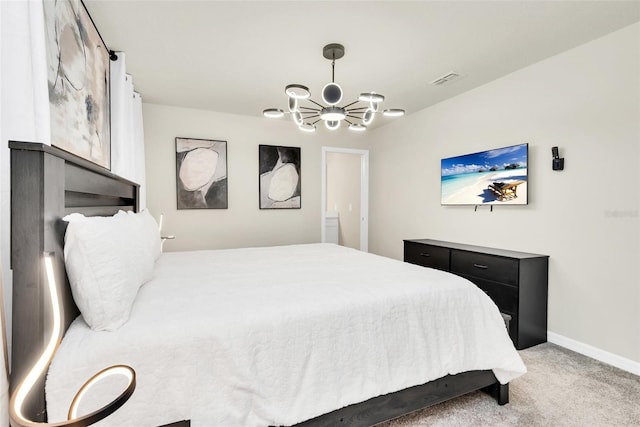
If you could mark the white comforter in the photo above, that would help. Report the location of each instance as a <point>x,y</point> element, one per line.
<point>275,336</point>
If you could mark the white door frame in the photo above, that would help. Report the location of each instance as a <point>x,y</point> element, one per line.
<point>364,193</point>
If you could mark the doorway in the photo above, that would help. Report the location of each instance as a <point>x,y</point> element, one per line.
<point>350,199</point>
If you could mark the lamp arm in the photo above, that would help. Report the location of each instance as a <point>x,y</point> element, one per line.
<point>17,420</point>
<point>26,385</point>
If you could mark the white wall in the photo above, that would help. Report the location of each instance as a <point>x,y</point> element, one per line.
<point>586,218</point>
<point>243,223</point>
<point>343,195</point>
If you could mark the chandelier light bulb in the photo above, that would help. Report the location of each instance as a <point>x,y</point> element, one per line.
<point>297,118</point>
<point>357,127</point>
<point>273,113</point>
<point>297,91</point>
<point>293,104</point>
<point>367,118</point>
<point>307,127</point>
<point>332,124</point>
<point>332,113</point>
<point>393,112</point>
<point>332,93</point>
<point>370,97</point>
<point>374,106</point>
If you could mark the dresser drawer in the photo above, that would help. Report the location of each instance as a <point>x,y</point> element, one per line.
<point>516,282</point>
<point>427,255</point>
<point>494,268</point>
<point>505,296</point>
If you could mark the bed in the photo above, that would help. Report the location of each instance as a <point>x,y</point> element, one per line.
<point>274,336</point>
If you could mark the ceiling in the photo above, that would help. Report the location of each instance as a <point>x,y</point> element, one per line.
<point>237,56</point>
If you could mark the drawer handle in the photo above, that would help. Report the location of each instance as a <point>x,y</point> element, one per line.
<point>425,255</point>
<point>483,267</point>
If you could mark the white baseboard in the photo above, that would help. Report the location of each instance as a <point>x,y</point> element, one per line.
<point>595,353</point>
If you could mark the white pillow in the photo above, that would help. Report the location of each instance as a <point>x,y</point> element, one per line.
<point>149,232</point>
<point>106,264</point>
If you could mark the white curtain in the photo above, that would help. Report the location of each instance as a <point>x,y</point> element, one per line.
<point>121,118</point>
<point>25,96</point>
<point>24,116</point>
<point>138,133</point>
<point>127,135</point>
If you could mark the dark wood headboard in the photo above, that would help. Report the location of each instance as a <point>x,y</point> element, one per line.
<point>46,184</point>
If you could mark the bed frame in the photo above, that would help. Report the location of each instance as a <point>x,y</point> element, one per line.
<point>46,184</point>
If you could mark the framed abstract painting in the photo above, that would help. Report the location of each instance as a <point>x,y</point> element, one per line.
<point>279,177</point>
<point>78,80</point>
<point>201,173</point>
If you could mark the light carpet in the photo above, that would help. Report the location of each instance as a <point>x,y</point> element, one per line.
<point>561,388</point>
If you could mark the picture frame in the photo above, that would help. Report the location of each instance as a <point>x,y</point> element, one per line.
<point>279,182</point>
<point>201,173</point>
<point>79,83</point>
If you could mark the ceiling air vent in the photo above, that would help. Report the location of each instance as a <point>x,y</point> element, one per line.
<point>446,78</point>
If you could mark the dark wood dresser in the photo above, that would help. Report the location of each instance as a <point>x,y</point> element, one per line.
<point>516,281</point>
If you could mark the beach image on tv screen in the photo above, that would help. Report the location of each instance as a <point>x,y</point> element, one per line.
<point>496,176</point>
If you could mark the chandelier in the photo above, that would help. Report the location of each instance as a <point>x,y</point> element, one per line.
<point>306,112</point>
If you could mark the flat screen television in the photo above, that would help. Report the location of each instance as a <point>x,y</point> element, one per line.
<point>497,176</point>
